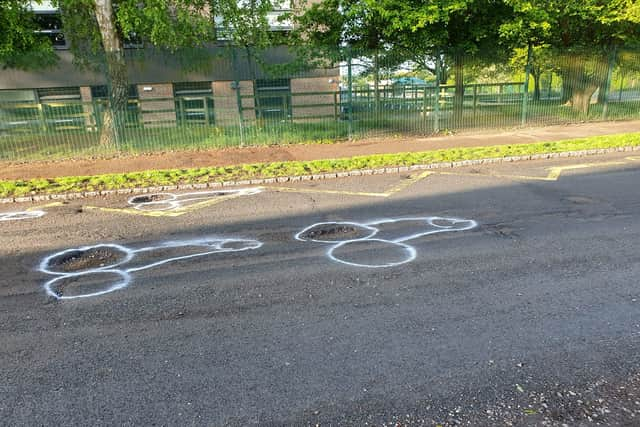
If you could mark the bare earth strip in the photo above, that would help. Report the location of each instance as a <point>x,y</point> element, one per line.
<point>381,145</point>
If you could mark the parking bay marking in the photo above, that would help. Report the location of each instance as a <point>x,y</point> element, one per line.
<point>388,193</point>
<point>553,175</point>
<point>178,211</point>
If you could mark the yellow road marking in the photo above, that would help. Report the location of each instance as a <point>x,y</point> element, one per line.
<point>408,183</point>
<point>635,159</point>
<point>168,213</point>
<point>320,191</point>
<point>48,205</point>
<point>497,175</point>
<point>389,192</point>
<point>553,174</point>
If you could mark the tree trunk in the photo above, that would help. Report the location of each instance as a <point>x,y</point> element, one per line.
<point>581,97</point>
<point>578,87</point>
<point>605,86</point>
<point>535,74</point>
<point>566,89</point>
<point>458,101</point>
<point>113,118</point>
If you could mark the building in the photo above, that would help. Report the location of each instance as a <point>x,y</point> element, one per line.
<point>163,92</point>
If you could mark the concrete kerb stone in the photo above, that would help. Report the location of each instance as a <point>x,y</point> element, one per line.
<point>329,175</point>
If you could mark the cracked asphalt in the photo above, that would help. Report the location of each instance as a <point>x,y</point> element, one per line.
<point>530,318</point>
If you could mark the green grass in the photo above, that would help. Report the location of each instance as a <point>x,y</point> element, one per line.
<point>16,188</point>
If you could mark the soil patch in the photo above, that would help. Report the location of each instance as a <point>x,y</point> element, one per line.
<point>148,198</point>
<point>335,232</point>
<point>361,147</point>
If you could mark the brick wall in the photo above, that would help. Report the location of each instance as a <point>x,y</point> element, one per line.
<point>159,97</point>
<point>225,102</point>
<point>302,104</point>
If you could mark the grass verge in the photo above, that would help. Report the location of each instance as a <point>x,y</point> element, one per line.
<point>18,188</point>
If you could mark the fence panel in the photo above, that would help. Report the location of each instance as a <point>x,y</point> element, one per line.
<point>318,106</point>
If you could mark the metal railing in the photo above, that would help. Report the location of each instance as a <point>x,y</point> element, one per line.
<point>72,128</point>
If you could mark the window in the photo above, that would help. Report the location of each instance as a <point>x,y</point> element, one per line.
<point>59,94</point>
<point>273,99</point>
<point>194,102</point>
<point>50,26</point>
<point>102,92</point>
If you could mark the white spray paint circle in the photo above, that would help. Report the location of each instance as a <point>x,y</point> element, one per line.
<point>409,253</point>
<point>172,201</point>
<point>45,264</point>
<point>49,287</point>
<point>372,231</point>
<point>17,216</point>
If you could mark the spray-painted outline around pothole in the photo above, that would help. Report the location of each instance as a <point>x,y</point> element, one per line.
<point>21,215</point>
<point>399,242</point>
<point>175,201</point>
<point>213,242</point>
<point>176,204</point>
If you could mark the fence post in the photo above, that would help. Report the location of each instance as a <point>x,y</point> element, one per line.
<point>475,102</point>
<point>621,87</point>
<point>350,94</point>
<point>436,107</point>
<point>180,115</point>
<point>607,86</point>
<point>236,87</point>
<point>207,112</point>
<point>525,91</point>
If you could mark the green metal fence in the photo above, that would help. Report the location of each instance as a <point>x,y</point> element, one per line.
<point>297,109</point>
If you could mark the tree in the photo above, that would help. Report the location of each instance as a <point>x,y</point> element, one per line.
<point>20,45</point>
<point>540,60</point>
<point>447,31</point>
<point>582,33</point>
<point>341,29</point>
<point>98,29</point>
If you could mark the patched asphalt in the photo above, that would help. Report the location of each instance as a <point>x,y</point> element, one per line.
<point>532,317</point>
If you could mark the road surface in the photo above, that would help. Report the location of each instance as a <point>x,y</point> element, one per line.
<point>493,295</point>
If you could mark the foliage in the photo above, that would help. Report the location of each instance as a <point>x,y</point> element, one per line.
<point>573,25</point>
<point>20,46</point>
<point>583,35</point>
<point>17,188</point>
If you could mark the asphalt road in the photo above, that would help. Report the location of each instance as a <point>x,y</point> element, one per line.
<point>512,320</point>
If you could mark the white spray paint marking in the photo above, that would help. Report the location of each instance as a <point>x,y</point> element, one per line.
<point>171,201</point>
<point>456,224</point>
<point>212,245</point>
<point>16,216</point>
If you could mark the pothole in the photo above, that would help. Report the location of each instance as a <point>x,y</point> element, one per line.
<point>335,232</point>
<point>502,230</point>
<point>148,198</point>
<point>92,258</point>
<point>580,200</point>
